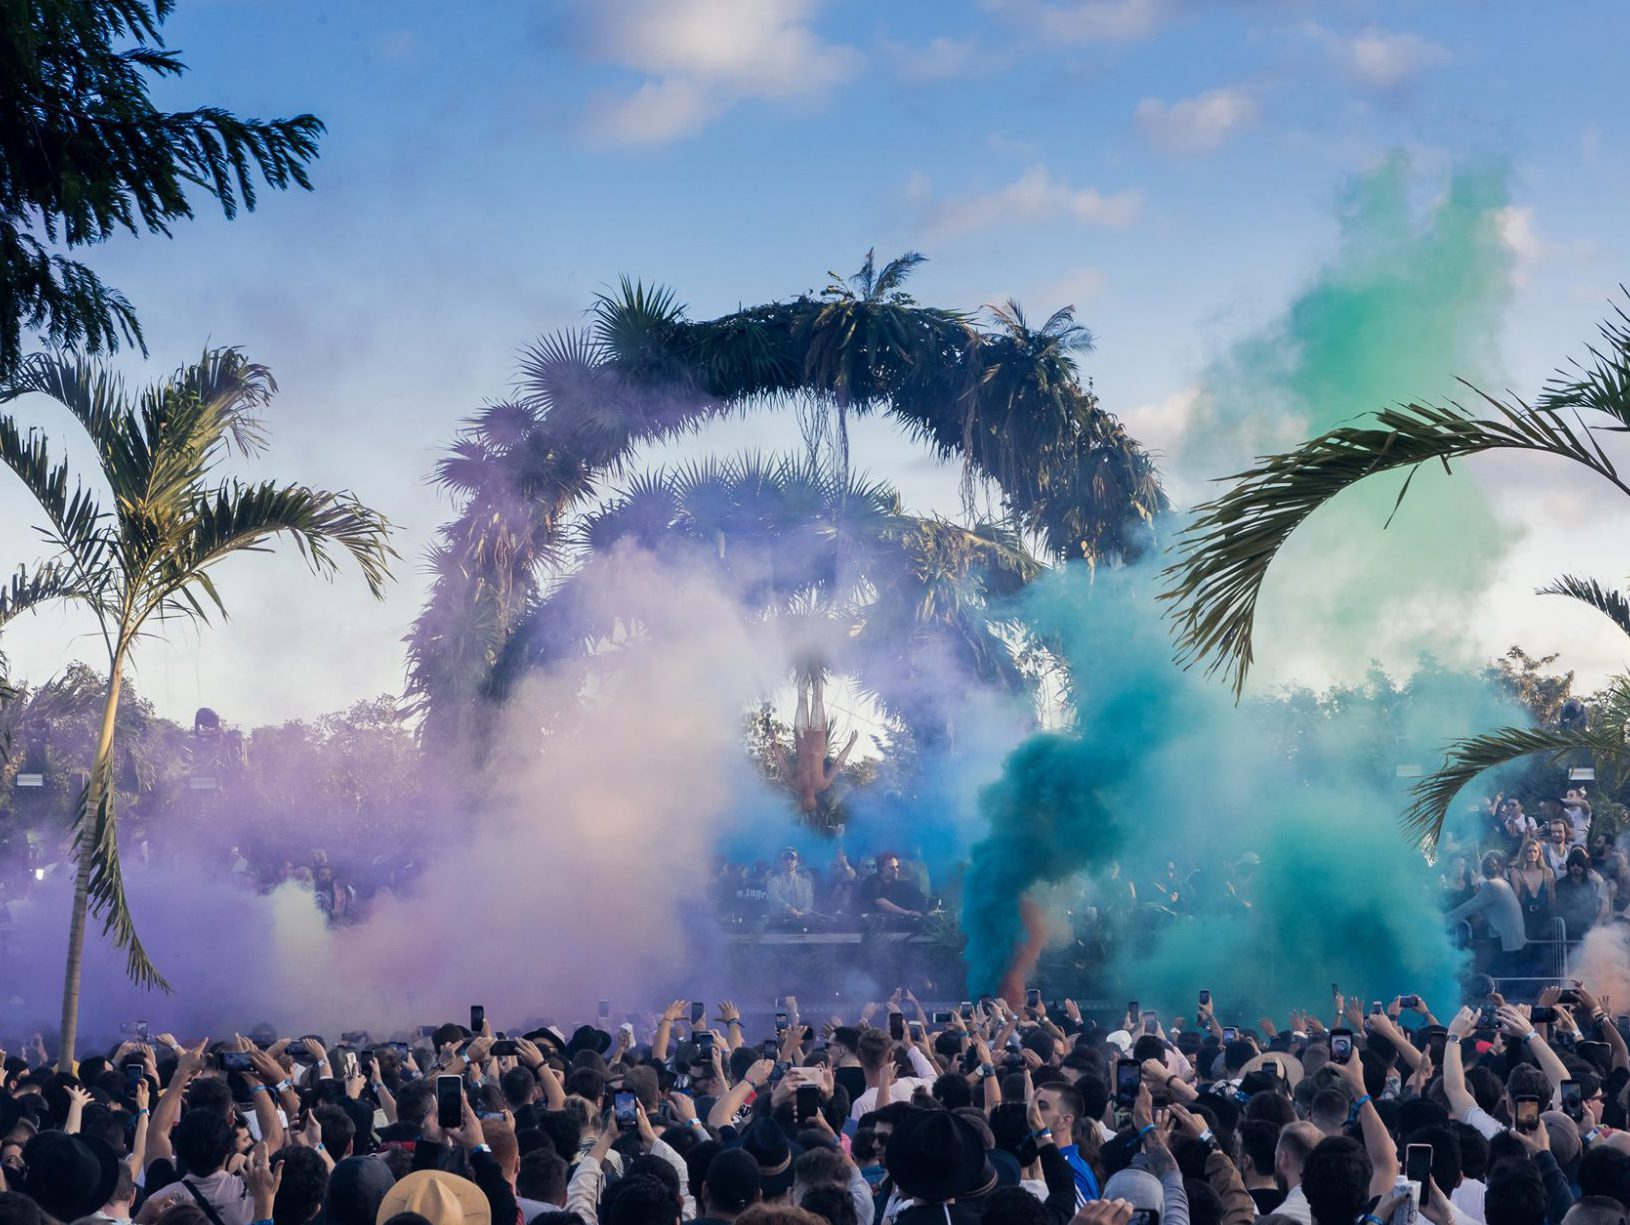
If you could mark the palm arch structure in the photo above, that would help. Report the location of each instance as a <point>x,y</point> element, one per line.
<point>1223,557</point>
<point>993,391</point>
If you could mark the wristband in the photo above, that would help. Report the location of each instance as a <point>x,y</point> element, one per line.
<point>1361,1102</point>
<point>258,1089</point>
<point>1167,1083</point>
<point>1145,1130</point>
<point>482,1148</point>
<point>1530,1036</point>
<point>319,1146</point>
<point>143,1111</point>
<point>1370,1219</point>
<point>1046,1133</point>
<point>284,1085</point>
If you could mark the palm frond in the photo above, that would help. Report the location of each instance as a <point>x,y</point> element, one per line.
<point>96,839</point>
<point>1611,604</point>
<point>1223,556</point>
<point>31,588</point>
<point>238,517</point>
<point>1602,383</point>
<point>1466,759</point>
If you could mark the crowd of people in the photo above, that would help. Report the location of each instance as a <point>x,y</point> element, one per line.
<point>1525,884</point>
<point>977,1113</point>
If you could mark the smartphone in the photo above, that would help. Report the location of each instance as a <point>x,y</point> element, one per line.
<point>704,1041</point>
<point>366,1061</point>
<point>808,1098</point>
<point>298,1050</point>
<point>1230,1033</point>
<point>478,1018</point>
<point>1272,1068</point>
<point>966,1009</point>
<point>940,1018</point>
<point>1573,1102</point>
<point>141,1031</point>
<point>1127,1077</point>
<point>134,1074</point>
<point>1341,1045</point>
<point>604,1009</point>
<point>1032,998</point>
<point>897,1026</point>
<point>1488,1017</point>
<point>780,1022</point>
<point>235,1061</point>
<point>1151,1023</point>
<point>916,1028</point>
<point>348,1061</point>
<point>1435,1042</point>
<point>698,1010</point>
<point>1410,1001</point>
<point>1418,1164</point>
<point>505,1046</point>
<point>1132,1008</point>
<point>1377,1008</point>
<point>1569,995</point>
<point>1527,1113</point>
<point>449,1102</point>
<point>622,1108</point>
<point>1205,998</point>
<point>771,1048</point>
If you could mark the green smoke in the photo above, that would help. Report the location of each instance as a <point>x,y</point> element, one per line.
<point>1410,302</point>
<point>1162,766</point>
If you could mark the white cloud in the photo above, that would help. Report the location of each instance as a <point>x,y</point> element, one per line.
<point>1159,426</point>
<point>938,60</point>
<point>1074,288</point>
<point>1380,59</point>
<point>701,57</point>
<point>1198,124</point>
<point>1035,197</point>
<point>1087,21</point>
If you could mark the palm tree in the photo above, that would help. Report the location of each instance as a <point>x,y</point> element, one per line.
<point>1224,556</point>
<point>1005,398</point>
<point>148,555</point>
<point>904,601</point>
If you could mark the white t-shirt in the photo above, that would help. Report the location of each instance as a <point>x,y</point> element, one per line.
<point>1468,1197</point>
<point>903,1087</point>
<point>1296,1207</point>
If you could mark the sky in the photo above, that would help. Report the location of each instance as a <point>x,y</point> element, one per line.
<point>1171,168</point>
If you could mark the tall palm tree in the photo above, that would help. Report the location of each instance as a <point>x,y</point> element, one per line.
<point>1003,397</point>
<point>149,551</point>
<point>1224,555</point>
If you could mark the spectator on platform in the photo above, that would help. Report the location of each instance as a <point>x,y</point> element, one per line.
<point>890,895</point>
<point>791,892</point>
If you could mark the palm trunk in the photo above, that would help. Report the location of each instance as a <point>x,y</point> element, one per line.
<point>100,769</point>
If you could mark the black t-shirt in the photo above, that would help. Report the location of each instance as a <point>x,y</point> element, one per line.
<point>1267,1199</point>
<point>901,892</point>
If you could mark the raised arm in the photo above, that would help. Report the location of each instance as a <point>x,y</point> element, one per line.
<point>1514,1025</point>
<point>729,1104</point>
<point>1383,1153</point>
<point>1461,1102</point>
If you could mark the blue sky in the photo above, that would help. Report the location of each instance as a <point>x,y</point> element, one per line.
<point>1168,167</point>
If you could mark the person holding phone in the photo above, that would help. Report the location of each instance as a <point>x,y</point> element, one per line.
<point>879,1057</point>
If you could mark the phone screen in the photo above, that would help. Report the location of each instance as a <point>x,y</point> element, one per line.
<point>134,1073</point>
<point>809,1102</point>
<point>1032,997</point>
<point>1527,1113</point>
<point>1230,1033</point>
<point>1418,1163</point>
<point>966,1008</point>
<point>897,1026</point>
<point>623,1107</point>
<point>235,1061</point>
<point>1127,1076</point>
<point>1205,998</point>
<point>478,1018</point>
<point>698,1010</point>
<point>1151,1023</point>
<point>449,1102</point>
<point>1341,1045</point>
<point>780,1022</point>
<point>1377,1008</point>
<point>1272,1068</point>
<point>1573,1103</point>
<point>1132,1009</point>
